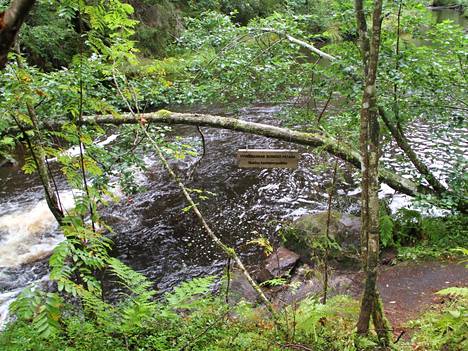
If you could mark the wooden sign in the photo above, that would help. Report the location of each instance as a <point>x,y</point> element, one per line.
<point>264,158</point>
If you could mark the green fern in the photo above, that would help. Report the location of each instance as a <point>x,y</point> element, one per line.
<point>135,282</point>
<point>455,291</point>
<point>183,295</point>
<point>386,230</point>
<point>39,308</point>
<point>312,315</point>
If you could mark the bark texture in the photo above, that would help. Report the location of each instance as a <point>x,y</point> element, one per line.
<point>328,144</point>
<point>52,197</point>
<point>10,24</point>
<point>39,156</point>
<point>370,153</point>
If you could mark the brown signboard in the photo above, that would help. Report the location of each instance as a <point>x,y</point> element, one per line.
<point>264,158</point>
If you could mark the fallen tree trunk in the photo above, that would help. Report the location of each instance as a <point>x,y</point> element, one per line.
<point>326,143</point>
<point>406,147</point>
<point>299,42</point>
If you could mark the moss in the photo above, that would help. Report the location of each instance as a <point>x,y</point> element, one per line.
<point>307,236</point>
<point>163,114</point>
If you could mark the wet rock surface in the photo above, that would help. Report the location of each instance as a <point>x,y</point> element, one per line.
<point>280,263</point>
<point>306,235</point>
<point>240,288</point>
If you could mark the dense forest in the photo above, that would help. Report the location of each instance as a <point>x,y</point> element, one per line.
<point>233,175</point>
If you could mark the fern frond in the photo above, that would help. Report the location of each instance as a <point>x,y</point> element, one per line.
<point>39,308</point>
<point>137,282</point>
<point>456,291</point>
<point>183,295</point>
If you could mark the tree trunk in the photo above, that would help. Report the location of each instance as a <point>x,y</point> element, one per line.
<point>405,146</point>
<point>10,24</point>
<point>326,143</point>
<point>39,157</point>
<point>370,153</point>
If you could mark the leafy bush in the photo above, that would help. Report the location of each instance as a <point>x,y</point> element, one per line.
<point>418,236</point>
<point>189,317</point>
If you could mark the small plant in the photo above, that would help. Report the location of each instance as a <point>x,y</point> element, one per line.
<point>447,328</point>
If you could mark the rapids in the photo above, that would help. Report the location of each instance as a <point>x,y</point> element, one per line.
<point>155,236</point>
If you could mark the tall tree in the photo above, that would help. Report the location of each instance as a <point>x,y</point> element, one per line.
<point>370,149</point>
<point>10,24</point>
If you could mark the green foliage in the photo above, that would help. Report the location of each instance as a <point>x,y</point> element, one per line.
<point>418,237</point>
<point>217,60</point>
<point>447,328</point>
<point>183,295</point>
<point>263,243</point>
<point>386,231</point>
<point>191,318</point>
<point>49,43</point>
<point>408,226</point>
<point>330,326</point>
<point>40,309</point>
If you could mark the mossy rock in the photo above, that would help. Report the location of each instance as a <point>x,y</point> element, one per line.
<point>306,235</point>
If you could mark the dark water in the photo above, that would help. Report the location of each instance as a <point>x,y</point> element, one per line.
<point>152,232</point>
<point>454,15</point>
<point>168,245</point>
<point>156,237</point>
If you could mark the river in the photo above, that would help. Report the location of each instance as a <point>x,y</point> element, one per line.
<point>156,237</point>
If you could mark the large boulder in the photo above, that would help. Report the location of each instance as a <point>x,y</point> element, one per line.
<point>279,264</point>
<point>306,236</point>
<point>240,288</point>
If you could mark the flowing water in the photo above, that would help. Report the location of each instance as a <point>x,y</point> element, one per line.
<point>156,237</point>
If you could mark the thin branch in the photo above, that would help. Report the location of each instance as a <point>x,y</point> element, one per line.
<point>193,206</point>
<point>396,107</point>
<point>80,118</point>
<point>325,107</point>
<point>408,150</point>
<point>195,165</point>
<point>299,42</point>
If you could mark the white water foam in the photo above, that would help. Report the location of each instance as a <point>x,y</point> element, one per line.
<point>75,150</point>
<point>5,300</point>
<point>29,234</point>
<point>26,236</point>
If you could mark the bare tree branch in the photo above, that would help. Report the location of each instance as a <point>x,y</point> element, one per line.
<point>10,24</point>
<point>299,42</point>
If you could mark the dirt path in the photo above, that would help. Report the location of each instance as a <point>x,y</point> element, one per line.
<point>407,289</point>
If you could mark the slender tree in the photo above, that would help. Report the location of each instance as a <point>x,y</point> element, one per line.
<point>370,149</point>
